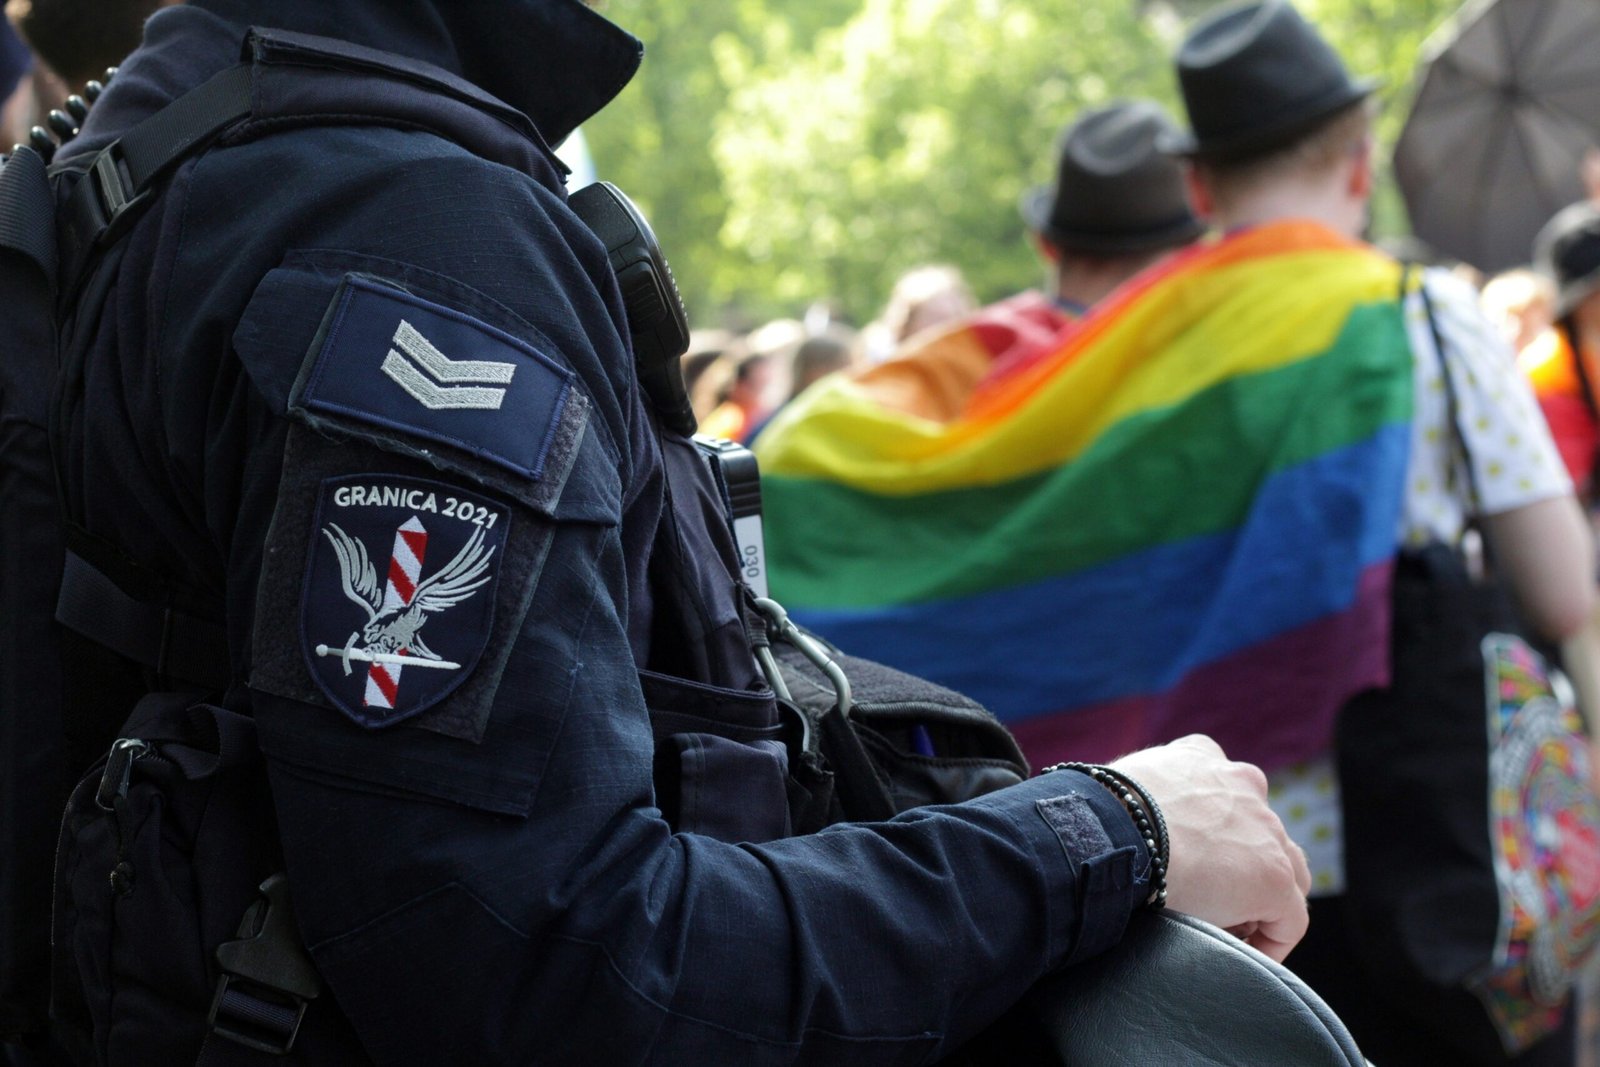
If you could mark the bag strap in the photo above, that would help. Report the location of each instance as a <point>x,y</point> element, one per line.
<point>1452,406</point>
<point>148,629</point>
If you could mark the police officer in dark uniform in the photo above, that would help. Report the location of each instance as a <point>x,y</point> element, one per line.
<point>366,388</point>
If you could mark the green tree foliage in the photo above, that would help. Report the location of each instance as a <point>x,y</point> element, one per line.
<point>790,150</point>
<point>907,136</point>
<point>654,140</point>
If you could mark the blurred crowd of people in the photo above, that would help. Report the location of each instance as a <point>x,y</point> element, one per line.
<point>737,380</point>
<point>1051,468</point>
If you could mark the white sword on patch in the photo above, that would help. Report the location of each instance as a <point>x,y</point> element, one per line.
<point>350,652</point>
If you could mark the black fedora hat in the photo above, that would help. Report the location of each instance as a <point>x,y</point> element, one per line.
<point>1253,77</point>
<point>1114,190</point>
<point>1568,250</point>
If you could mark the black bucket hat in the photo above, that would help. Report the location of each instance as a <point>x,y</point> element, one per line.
<point>1114,191</point>
<point>1568,250</point>
<point>1255,75</point>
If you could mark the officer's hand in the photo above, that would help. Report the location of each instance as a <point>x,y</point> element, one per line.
<point>1232,863</point>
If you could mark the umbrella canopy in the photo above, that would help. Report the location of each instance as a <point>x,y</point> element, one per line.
<point>1509,103</point>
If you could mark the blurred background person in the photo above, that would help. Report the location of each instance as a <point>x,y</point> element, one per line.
<point>76,40</point>
<point>706,347</point>
<point>1561,361</point>
<point>747,382</point>
<point>1521,303</point>
<point>923,297</point>
<point>836,347</point>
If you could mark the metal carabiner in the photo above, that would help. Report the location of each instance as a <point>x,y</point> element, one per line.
<point>810,648</point>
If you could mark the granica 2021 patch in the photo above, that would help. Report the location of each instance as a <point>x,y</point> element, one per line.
<point>399,593</point>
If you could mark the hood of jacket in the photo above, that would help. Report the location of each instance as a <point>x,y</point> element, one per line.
<point>556,61</point>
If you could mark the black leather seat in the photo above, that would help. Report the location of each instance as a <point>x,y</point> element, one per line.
<point>1176,992</point>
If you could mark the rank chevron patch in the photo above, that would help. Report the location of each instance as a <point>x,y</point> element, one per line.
<point>416,351</point>
<point>397,362</point>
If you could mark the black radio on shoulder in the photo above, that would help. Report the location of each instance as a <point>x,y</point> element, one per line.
<point>656,318</point>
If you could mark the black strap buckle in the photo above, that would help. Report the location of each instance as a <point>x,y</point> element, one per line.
<point>267,977</point>
<point>115,194</point>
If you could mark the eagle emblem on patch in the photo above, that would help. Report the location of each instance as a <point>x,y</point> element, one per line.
<point>399,596</point>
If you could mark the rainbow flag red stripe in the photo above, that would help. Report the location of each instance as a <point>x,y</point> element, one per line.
<point>1179,515</point>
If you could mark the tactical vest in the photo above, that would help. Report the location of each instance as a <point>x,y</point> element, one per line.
<point>144,657</point>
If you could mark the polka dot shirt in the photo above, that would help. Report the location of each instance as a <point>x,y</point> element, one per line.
<point>1514,463</point>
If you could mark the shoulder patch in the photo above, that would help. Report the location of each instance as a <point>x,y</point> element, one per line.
<point>399,593</point>
<point>398,361</point>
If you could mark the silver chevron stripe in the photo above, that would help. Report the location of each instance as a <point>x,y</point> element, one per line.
<point>422,354</point>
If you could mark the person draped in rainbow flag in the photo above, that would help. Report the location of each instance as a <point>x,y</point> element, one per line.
<point>1184,514</point>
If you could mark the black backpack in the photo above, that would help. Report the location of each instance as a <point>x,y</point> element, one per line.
<point>172,926</point>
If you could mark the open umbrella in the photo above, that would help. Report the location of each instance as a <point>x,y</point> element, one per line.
<point>1509,102</point>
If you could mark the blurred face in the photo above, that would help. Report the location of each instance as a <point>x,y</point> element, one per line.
<point>758,390</point>
<point>939,307</point>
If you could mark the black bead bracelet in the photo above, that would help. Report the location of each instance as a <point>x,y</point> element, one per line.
<point>1147,818</point>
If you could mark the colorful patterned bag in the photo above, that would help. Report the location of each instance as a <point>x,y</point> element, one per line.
<point>1472,839</point>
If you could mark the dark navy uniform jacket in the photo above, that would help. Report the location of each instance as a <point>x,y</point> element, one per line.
<point>372,392</point>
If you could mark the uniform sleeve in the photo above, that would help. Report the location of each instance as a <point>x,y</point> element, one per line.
<point>444,554</point>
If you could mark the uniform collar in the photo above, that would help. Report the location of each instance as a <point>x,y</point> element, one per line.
<point>556,61</point>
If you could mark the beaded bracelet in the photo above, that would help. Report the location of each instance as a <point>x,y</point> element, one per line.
<point>1147,817</point>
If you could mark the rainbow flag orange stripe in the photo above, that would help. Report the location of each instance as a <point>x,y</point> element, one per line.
<point>1178,515</point>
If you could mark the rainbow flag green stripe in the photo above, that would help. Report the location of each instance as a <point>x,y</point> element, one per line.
<point>1190,496</point>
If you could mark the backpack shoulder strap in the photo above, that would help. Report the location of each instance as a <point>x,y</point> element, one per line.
<point>120,178</point>
<point>27,211</point>
<point>104,596</point>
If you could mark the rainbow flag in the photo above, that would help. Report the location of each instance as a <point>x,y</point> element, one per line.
<point>1179,515</point>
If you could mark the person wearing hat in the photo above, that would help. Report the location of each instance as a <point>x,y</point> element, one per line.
<point>1117,204</point>
<point>1562,362</point>
<point>1279,149</point>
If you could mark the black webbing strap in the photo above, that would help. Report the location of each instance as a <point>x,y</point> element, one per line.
<point>266,985</point>
<point>173,643</point>
<point>120,176</point>
<point>27,210</point>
